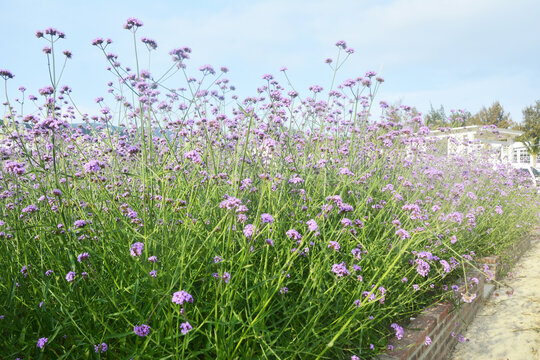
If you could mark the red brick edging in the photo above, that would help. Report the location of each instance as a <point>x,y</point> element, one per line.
<point>443,322</point>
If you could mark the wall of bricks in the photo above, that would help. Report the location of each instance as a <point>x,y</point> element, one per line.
<point>444,321</point>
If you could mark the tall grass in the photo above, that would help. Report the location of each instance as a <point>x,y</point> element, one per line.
<point>297,227</point>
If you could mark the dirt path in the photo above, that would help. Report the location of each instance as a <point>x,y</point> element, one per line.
<point>508,327</point>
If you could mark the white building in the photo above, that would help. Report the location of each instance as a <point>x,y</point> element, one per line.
<point>502,141</point>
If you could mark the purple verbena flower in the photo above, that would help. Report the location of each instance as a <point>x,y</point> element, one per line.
<point>83,256</point>
<point>249,230</point>
<point>267,218</point>
<point>293,234</point>
<point>312,225</point>
<point>79,223</point>
<point>24,271</point>
<point>70,276</point>
<point>132,23</point>
<point>93,166</point>
<point>41,342</point>
<point>404,234</point>
<point>340,269</point>
<point>185,327</point>
<point>398,329</point>
<point>101,348</point>
<point>182,296</point>
<point>142,330</point>
<point>334,245</point>
<point>137,249</point>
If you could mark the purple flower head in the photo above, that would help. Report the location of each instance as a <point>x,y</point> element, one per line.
<point>185,328</point>
<point>24,271</point>
<point>357,253</point>
<point>83,256</point>
<point>151,44</point>
<point>93,166</point>
<point>142,330</point>
<point>428,341</point>
<point>422,267</point>
<point>6,74</point>
<point>48,272</point>
<point>207,69</point>
<point>79,223</point>
<point>249,230</point>
<point>180,297</point>
<point>296,179</point>
<point>467,297</point>
<point>70,276</point>
<point>340,269</point>
<point>101,348</point>
<point>153,273</point>
<point>41,342</point>
<point>445,265</point>
<point>217,259</point>
<point>30,209</point>
<point>312,225</point>
<point>334,245</point>
<point>152,259</point>
<point>14,167</point>
<point>230,203</point>
<point>293,234</point>
<point>267,218</point>
<point>132,23</point>
<point>180,54</point>
<point>226,277</point>
<point>97,41</point>
<point>398,329</point>
<point>342,44</point>
<point>137,249</point>
<point>402,233</point>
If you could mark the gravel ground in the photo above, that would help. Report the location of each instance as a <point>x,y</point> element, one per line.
<point>508,327</point>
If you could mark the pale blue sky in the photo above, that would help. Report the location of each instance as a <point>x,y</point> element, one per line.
<point>458,53</point>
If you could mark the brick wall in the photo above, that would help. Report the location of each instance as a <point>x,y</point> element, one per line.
<point>444,321</point>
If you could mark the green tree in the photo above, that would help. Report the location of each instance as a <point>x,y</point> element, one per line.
<point>494,115</point>
<point>459,118</point>
<point>435,118</point>
<point>531,130</point>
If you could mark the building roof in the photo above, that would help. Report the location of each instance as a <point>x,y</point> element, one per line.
<point>482,131</point>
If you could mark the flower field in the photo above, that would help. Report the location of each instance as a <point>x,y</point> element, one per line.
<point>187,223</point>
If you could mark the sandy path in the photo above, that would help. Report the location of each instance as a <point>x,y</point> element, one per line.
<point>508,327</point>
